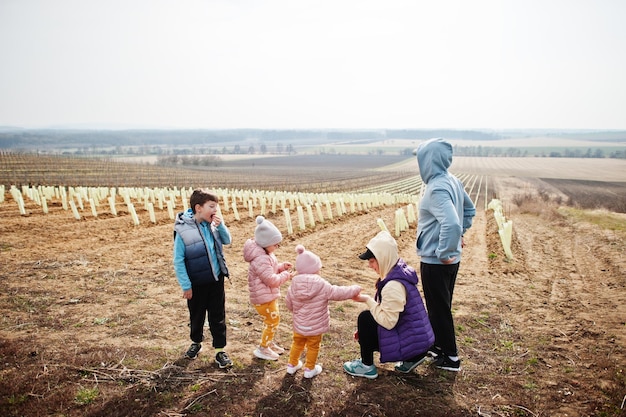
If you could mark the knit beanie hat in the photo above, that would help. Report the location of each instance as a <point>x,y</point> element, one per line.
<point>307,262</point>
<point>266,234</point>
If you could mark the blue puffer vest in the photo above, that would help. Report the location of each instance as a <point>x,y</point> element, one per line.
<point>413,334</point>
<point>196,253</point>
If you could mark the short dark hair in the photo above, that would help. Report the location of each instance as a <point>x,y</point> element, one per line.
<point>201,196</point>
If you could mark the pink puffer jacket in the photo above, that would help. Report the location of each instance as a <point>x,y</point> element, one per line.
<point>265,273</point>
<point>308,298</point>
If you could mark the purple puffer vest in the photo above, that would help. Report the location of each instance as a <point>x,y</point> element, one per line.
<point>413,334</point>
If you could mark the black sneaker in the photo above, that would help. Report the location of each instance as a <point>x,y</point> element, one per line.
<point>444,362</point>
<point>222,360</point>
<point>434,352</point>
<point>194,349</point>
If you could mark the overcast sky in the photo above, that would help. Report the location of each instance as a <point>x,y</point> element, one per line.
<point>313,63</point>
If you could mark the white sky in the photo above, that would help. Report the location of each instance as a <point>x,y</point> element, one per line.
<point>314,63</point>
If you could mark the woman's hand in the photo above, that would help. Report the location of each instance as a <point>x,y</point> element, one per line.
<point>187,294</point>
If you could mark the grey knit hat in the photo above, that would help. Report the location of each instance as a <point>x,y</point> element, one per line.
<point>266,234</point>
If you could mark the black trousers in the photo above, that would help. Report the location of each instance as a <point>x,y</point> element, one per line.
<point>208,302</point>
<point>438,285</point>
<point>368,336</point>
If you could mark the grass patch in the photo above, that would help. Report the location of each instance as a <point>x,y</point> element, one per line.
<point>86,396</point>
<point>601,218</point>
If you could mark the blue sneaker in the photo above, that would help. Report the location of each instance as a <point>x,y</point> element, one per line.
<point>357,368</point>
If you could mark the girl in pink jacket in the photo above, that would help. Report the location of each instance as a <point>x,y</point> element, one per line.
<point>265,276</point>
<point>307,298</point>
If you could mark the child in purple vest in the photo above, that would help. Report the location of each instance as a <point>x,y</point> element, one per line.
<point>396,323</point>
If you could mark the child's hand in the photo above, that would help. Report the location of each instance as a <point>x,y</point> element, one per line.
<point>356,335</point>
<point>216,220</point>
<point>288,265</point>
<point>361,298</point>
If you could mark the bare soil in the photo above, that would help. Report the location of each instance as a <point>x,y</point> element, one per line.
<point>93,323</point>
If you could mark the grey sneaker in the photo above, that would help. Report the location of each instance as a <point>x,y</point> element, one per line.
<point>222,360</point>
<point>357,368</point>
<point>194,349</point>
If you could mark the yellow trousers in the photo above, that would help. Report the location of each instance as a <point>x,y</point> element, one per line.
<point>312,346</point>
<point>271,319</point>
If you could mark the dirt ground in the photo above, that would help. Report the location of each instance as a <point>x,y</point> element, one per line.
<point>93,323</point>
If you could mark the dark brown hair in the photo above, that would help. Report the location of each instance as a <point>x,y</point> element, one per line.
<point>201,196</point>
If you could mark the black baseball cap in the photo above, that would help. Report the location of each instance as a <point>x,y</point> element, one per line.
<point>366,255</point>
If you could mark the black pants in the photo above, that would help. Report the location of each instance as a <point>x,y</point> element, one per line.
<point>438,285</point>
<point>208,302</point>
<point>368,336</point>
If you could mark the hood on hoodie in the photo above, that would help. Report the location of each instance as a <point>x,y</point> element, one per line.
<point>434,157</point>
<point>385,249</point>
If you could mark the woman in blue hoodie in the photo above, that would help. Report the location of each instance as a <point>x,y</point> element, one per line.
<point>445,213</point>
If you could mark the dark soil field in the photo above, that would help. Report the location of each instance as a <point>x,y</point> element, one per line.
<point>93,323</point>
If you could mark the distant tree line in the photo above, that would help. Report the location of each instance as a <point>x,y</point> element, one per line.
<point>517,152</point>
<point>253,141</point>
<point>13,138</point>
<point>204,161</point>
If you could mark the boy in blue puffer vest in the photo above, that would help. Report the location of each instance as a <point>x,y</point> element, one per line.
<point>200,268</point>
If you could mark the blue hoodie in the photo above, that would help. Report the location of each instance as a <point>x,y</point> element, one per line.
<point>446,211</point>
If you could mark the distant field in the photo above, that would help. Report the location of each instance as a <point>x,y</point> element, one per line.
<point>589,183</point>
